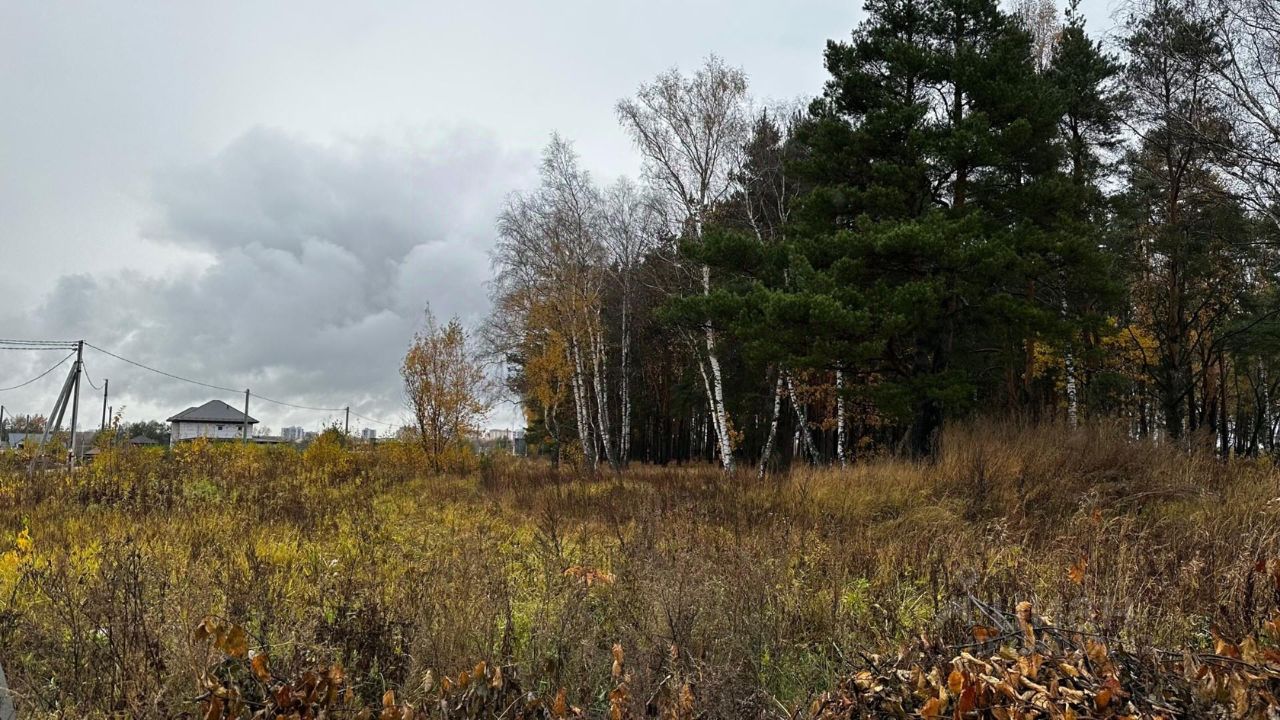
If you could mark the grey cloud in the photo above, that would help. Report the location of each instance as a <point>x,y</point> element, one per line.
<point>369,196</point>
<point>322,259</point>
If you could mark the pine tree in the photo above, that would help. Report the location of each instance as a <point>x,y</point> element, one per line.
<point>1093,103</point>
<point>925,252</point>
<point>1185,232</point>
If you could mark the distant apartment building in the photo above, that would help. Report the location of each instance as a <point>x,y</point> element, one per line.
<point>502,435</point>
<point>293,434</point>
<point>501,440</point>
<point>368,434</point>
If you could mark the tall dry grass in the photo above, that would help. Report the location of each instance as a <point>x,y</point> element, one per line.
<point>758,594</point>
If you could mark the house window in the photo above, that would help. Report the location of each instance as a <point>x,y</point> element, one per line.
<point>219,427</point>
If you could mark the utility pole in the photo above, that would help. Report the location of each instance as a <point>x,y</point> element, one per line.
<point>2,435</point>
<point>244,432</point>
<point>346,426</point>
<point>75,402</point>
<point>54,422</point>
<point>106,385</point>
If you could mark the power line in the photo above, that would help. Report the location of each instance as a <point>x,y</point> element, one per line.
<point>322,409</point>
<point>299,407</point>
<point>161,372</point>
<point>226,389</point>
<point>9,344</point>
<point>369,419</point>
<point>85,370</point>
<point>15,341</point>
<point>36,345</point>
<point>46,372</point>
<point>12,345</point>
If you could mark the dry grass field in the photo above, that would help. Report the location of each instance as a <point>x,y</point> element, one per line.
<point>221,580</point>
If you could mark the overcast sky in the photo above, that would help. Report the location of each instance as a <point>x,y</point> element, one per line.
<point>268,194</point>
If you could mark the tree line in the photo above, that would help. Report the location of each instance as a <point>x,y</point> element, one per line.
<point>983,213</point>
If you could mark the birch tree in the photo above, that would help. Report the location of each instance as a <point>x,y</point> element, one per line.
<point>691,132</point>
<point>550,264</point>
<point>1249,80</point>
<point>631,226</point>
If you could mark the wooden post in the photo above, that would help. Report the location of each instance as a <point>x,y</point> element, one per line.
<point>346,426</point>
<point>106,385</point>
<point>244,433</point>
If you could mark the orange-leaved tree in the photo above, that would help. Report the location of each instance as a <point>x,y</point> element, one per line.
<point>446,387</point>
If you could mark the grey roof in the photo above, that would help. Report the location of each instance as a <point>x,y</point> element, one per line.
<point>143,440</point>
<point>17,437</point>
<point>214,411</point>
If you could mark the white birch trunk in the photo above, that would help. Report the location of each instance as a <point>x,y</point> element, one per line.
<point>842,439</point>
<point>803,437</point>
<point>716,387</point>
<point>602,393</point>
<point>711,424</point>
<point>624,439</point>
<point>580,400</point>
<point>773,427</point>
<point>1069,366</point>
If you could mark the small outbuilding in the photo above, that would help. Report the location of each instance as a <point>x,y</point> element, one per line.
<point>215,420</point>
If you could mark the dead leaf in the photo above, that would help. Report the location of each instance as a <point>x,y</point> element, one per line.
<point>617,661</point>
<point>932,709</point>
<point>955,682</point>
<point>258,662</point>
<point>236,642</point>
<point>213,710</point>
<point>1077,570</point>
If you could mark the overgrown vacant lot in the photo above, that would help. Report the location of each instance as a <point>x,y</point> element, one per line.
<point>725,597</point>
